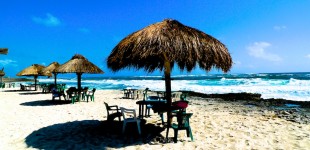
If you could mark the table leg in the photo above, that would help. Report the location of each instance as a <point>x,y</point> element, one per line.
<point>142,111</point>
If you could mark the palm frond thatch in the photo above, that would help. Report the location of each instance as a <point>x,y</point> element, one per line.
<point>78,64</point>
<point>4,51</point>
<point>51,68</point>
<point>170,41</point>
<point>33,70</point>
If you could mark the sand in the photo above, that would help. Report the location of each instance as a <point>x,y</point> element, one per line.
<point>31,120</point>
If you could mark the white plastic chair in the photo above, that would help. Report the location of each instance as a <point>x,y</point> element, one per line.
<point>129,115</point>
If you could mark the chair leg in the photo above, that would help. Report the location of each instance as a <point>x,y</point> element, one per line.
<point>124,126</point>
<point>148,112</point>
<point>190,133</point>
<point>139,130</point>
<point>73,99</point>
<point>93,98</point>
<point>162,117</point>
<point>175,138</point>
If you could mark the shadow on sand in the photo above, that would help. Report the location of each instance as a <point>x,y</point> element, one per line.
<point>28,92</point>
<point>91,134</point>
<point>46,103</point>
<point>33,93</point>
<point>11,90</point>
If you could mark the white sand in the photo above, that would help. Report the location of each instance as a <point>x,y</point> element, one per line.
<point>30,121</point>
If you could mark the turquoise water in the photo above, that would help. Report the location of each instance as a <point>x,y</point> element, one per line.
<point>293,86</point>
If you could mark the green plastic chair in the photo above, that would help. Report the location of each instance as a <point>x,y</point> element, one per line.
<point>91,95</point>
<point>183,124</point>
<point>183,96</point>
<point>2,85</point>
<point>75,97</point>
<point>84,92</point>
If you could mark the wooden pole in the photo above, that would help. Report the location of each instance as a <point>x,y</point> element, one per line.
<point>35,82</point>
<point>55,78</point>
<point>79,75</point>
<point>168,92</point>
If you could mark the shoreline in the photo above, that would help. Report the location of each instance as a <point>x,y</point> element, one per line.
<point>252,97</point>
<point>294,111</point>
<point>7,80</point>
<point>216,124</point>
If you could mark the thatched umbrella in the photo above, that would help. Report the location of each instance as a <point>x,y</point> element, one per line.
<point>3,51</point>
<point>161,45</point>
<point>34,70</point>
<point>79,64</point>
<point>52,69</point>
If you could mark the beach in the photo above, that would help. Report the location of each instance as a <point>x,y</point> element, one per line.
<point>31,120</point>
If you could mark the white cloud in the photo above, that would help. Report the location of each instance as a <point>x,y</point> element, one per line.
<point>49,20</point>
<point>308,56</point>
<point>258,50</point>
<point>278,28</point>
<point>237,62</point>
<point>8,62</point>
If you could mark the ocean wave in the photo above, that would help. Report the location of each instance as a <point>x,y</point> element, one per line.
<point>293,86</point>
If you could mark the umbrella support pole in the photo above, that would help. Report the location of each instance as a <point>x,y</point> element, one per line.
<point>168,93</point>
<point>35,83</point>
<point>55,79</point>
<point>79,76</point>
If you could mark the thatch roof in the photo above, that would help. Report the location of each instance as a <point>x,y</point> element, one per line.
<point>78,64</point>
<point>169,41</point>
<point>51,68</point>
<point>33,70</point>
<point>3,50</point>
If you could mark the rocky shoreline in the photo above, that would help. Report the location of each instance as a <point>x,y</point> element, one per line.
<point>294,111</point>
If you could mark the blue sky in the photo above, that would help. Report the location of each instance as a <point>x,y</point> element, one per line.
<point>261,35</point>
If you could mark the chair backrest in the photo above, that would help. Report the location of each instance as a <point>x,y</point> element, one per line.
<point>71,90</point>
<point>183,119</point>
<point>85,88</point>
<point>107,107</point>
<point>92,92</point>
<point>145,93</point>
<point>183,96</point>
<point>128,113</point>
<point>176,96</point>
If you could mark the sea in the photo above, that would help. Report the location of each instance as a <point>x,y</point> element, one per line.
<point>290,86</point>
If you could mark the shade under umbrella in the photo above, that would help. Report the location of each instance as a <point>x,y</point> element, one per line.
<point>164,44</point>
<point>4,51</point>
<point>52,69</point>
<point>34,70</point>
<point>79,64</point>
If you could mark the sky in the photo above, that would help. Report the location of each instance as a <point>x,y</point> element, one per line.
<point>262,36</point>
